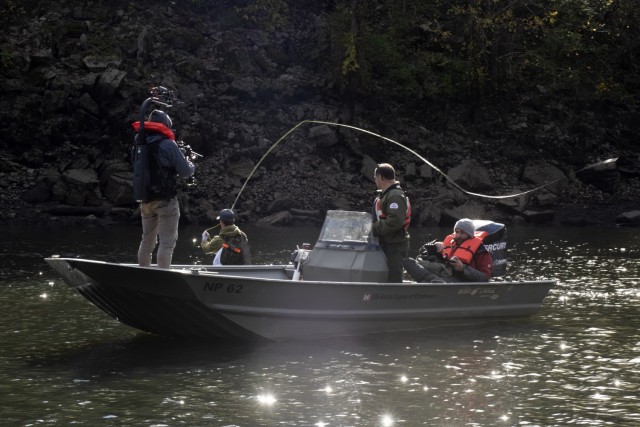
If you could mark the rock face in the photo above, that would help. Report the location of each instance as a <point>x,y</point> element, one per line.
<point>73,76</point>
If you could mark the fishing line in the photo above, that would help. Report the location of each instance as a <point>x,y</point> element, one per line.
<point>434,167</point>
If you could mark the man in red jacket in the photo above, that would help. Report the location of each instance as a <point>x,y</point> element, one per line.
<point>461,257</point>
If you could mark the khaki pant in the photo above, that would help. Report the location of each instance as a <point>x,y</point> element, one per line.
<point>159,226</point>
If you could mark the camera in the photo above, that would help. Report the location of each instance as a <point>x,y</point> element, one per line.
<point>429,248</point>
<point>187,151</point>
<point>162,95</point>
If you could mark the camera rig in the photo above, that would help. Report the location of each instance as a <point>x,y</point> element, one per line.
<point>160,95</point>
<point>165,97</point>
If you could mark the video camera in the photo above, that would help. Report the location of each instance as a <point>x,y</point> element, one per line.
<point>429,252</point>
<point>187,151</point>
<point>163,96</point>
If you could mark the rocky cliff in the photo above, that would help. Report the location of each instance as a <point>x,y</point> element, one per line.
<point>75,73</point>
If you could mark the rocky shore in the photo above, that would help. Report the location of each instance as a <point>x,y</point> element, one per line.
<point>298,188</point>
<point>75,74</point>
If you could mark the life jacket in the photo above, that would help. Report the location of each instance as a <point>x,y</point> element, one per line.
<point>232,251</point>
<point>155,127</point>
<point>466,250</point>
<point>151,181</point>
<point>377,207</point>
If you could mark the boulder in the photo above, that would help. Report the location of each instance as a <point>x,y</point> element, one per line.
<point>368,168</point>
<point>39,193</point>
<point>87,104</point>
<point>629,164</point>
<point>278,218</point>
<point>425,171</point>
<point>628,218</point>
<point>604,175</point>
<point>34,157</point>
<point>242,168</point>
<point>119,188</point>
<point>539,217</point>
<point>245,85</point>
<point>323,136</point>
<point>469,210</point>
<point>108,83</point>
<point>85,178</point>
<point>282,204</point>
<point>111,167</point>
<point>341,203</point>
<point>100,63</point>
<point>143,46</point>
<point>426,214</point>
<point>83,187</point>
<point>471,176</point>
<point>515,205</point>
<point>545,174</point>
<point>545,198</point>
<point>78,210</point>
<point>410,170</point>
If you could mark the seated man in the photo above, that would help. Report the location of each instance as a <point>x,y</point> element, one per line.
<point>460,257</point>
<point>231,245</point>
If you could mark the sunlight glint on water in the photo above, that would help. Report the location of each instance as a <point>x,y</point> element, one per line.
<point>575,363</point>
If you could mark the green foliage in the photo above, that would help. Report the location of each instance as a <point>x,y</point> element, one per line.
<point>585,48</point>
<point>11,10</point>
<point>269,14</point>
<point>350,63</point>
<point>7,60</point>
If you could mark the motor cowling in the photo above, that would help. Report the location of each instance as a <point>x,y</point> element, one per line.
<point>495,242</point>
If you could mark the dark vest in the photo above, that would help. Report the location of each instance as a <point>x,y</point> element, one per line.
<point>151,181</point>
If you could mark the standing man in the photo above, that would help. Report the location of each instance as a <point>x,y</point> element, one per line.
<point>157,160</point>
<point>392,217</point>
<point>231,245</point>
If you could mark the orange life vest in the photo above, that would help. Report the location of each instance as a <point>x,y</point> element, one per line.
<point>381,215</point>
<point>155,127</point>
<point>407,216</point>
<point>466,250</point>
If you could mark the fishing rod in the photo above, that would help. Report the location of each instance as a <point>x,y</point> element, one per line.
<point>434,167</point>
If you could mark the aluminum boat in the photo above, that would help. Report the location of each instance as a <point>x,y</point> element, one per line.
<point>337,288</point>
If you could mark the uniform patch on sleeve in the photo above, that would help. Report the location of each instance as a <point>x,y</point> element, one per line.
<point>393,205</point>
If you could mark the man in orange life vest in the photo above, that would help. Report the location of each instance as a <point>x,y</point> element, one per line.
<point>463,258</point>
<point>392,217</point>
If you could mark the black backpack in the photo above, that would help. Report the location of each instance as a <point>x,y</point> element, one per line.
<point>232,251</point>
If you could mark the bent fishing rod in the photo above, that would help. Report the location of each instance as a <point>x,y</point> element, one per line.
<point>434,167</point>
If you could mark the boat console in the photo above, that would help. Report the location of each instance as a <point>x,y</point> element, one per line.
<point>345,251</point>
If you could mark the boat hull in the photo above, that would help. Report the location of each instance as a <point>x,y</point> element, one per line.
<point>262,302</point>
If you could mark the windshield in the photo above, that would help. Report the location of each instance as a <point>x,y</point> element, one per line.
<point>340,226</point>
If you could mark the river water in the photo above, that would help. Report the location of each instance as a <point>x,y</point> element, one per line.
<point>577,362</point>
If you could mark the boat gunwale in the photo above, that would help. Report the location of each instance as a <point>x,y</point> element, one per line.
<point>204,271</point>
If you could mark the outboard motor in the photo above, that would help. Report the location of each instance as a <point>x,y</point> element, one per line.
<point>345,251</point>
<point>496,243</point>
